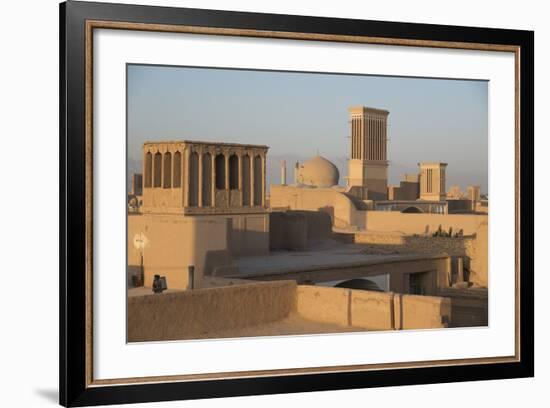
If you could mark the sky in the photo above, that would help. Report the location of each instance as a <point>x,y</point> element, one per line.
<point>299,115</point>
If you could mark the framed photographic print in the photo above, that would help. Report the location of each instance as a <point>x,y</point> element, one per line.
<point>256,203</point>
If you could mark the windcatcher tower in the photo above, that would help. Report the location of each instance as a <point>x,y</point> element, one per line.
<point>432,181</point>
<point>368,165</point>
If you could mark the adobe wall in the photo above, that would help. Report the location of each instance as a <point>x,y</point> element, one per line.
<point>174,242</point>
<point>191,314</point>
<point>328,200</point>
<point>404,244</point>
<point>469,307</point>
<point>249,234</point>
<point>421,223</point>
<point>372,310</point>
<point>292,230</point>
<point>194,314</point>
<point>474,246</point>
<point>323,304</point>
<point>421,312</point>
<point>135,225</point>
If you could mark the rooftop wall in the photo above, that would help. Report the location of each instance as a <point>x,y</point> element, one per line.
<point>329,200</point>
<point>372,310</point>
<point>292,230</point>
<point>192,314</point>
<point>195,314</point>
<point>418,223</point>
<point>475,248</point>
<point>171,243</point>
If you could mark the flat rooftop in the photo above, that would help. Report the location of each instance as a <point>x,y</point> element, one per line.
<point>203,142</point>
<point>319,256</point>
<point>293,324</point>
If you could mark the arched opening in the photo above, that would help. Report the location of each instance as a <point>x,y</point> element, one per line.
<point>359,284</point>
<point>148,170</point>
<point>246,179</point>
<point>157,170</point>
<point>258,180</point>
<point>220,172</point>
<point>176,182</point>
<point>207,180</point>
<point>233,172</point>
<point>412,210</point>
<point>193,179</point>
<point>167,174</point>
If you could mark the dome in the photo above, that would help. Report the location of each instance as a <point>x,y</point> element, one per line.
<point>318,172</point>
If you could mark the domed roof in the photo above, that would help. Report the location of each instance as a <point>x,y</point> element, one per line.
<point>318,172</point>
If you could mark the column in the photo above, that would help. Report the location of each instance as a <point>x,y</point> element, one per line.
<point>226,161</point>
<point>200,176</point>
<point>241,175</point>
<point>187,175</point>
<point>162,154</point>
<point>153,153</point>
<point>252,157</point>
<point>366,138</point>
<point>263,178</point>
<point>384,135</point>
<point>380,139</point>
<point>379,128</point>
<point>213,177</point>
<point>353,137</point>
<point>144,169</point>
<point>172,157</point>
<point>371,139</point>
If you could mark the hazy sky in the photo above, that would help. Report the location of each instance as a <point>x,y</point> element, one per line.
<point>300,114</point>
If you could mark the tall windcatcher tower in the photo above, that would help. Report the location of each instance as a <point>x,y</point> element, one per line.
<point>368,165</point>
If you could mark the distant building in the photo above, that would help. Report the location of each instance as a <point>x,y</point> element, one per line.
<point>455,193</point>
<point>474,193</point>
<point>432,181</point>
<point>137,184</point>
<point>408,189</point>
<point>135,194</point>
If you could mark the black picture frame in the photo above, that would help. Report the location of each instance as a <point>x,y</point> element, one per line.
<point>75,389</point>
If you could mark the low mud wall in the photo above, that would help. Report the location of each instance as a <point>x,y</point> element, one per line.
<point>194,314</point>
<point>372,310</point>
<point>190,314</point>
